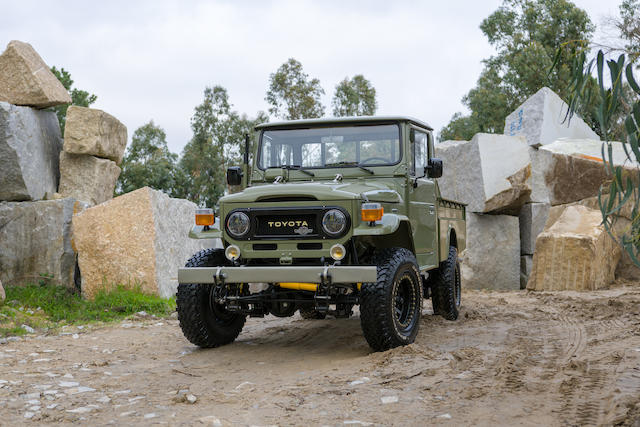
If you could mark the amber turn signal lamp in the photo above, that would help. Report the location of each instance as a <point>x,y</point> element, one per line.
<point>204,217</point>
<point>372,212</point>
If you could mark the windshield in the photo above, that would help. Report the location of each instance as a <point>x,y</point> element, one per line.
<point>376,145</point>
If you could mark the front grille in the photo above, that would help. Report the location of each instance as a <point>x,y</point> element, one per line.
<point>288,223</point>
<point>269,225</point>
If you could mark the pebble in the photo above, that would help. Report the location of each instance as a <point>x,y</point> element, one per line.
<point>83,389</point>
<point>67,376</point>
<point>29,329</point>
<point>52,406</point>
<point>75,336</point>
<point>389,399</point>
<point>33,402</point>
<point>123,392</point>
<point>35,408</point>
<point>29,414</point>
<point>29,396</point>
<point>68,384</point>
<point>134,399</point>
<point>126,414</point>
<point>445,416</point>
<point>360,381</point>
<point>104,399</point>
<point>191,398</point>
<point>150,415</point>
<point>211,420</point>
<point>82,409</point>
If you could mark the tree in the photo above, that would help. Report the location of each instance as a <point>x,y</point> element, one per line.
<point>217,142</point>
<point>354,97</point>
<point>79,97</point>
<point>629,27</point>
<point>526,35</point>
<point>148,162</point>
<point>292,94</point>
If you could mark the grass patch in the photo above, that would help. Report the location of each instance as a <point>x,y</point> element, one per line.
<point>46,306</point>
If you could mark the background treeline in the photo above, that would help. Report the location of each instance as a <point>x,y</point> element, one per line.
<point>526,34</point>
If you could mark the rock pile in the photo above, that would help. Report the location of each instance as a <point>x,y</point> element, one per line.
<point>532,218</point>
<point>36,233</point>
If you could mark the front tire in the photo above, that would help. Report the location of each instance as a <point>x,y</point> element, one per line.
<point>446,289</point>
<point>390,309</point>
<point>204,322</point>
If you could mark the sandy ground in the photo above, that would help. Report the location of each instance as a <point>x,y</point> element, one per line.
<point>513,358</point>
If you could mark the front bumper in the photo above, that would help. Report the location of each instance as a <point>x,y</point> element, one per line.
<point>328,274</point>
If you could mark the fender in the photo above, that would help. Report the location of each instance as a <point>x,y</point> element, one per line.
<point>212,232</point>
<point>388,225</point>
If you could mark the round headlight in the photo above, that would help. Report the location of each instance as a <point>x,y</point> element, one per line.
<point>334,222</point>
<point>238,224</point>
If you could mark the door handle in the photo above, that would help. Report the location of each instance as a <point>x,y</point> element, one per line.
<point>432,210</point>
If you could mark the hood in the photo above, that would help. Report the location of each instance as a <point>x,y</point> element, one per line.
<point>374,191</point>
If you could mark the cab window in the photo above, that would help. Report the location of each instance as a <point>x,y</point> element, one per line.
<point>419,147</point>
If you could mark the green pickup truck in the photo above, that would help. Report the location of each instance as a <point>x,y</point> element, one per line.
<point>333,213</point>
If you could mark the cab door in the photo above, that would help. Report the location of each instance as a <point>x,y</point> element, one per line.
<point>422,200</point>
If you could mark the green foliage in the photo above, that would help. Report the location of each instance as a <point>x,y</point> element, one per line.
<point>79,97</point>
<point>629,26</point>
<point>460,127</point>
<point>50,306</point>
<point>526,35</point>
<point>148,162</point>
<point>292,94</point>
<point>217,142</point>
<point>354,97</point>
<point>624,187</point>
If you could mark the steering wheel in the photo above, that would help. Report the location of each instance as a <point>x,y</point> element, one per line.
<point>364,162</point>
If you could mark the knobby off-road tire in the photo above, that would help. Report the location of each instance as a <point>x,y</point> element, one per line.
<point>203,322</point>
<point>390,308</point>
<point>446,289</point>
<point>311,314</point>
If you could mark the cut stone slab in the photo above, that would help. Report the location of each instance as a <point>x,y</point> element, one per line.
<point>26,80</point>
<point>541,120</point>
<point>492,257</point>
<point>87,178</point>
<point>94,132</point>
<point>533,217</point>
<point>37,241</point>
<point>571,170</point>
<point>575,253</point>
<point>490,173</point>
<point>526,264</point>
<point>30,145</point>
<point>137,239</point>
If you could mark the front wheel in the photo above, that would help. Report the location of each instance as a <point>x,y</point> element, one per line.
<point>203,321</point>
<point>390,308</point>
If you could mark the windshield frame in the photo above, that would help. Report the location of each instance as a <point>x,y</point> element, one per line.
<point>333,125</point>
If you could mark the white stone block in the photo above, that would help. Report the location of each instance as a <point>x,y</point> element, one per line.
<point>541,120</point>
<point>492,257</point>
<point>490,173</point>
<point>569,170</point>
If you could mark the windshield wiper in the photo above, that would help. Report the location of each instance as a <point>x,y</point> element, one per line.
<point>295,168</point>
<point>343,163</point>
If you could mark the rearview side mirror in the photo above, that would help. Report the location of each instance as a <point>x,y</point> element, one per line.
<point>234,175</point>
<point>434,168</point>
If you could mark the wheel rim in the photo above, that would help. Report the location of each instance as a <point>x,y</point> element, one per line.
<point>219,312</point>
<point>457,286</point>
<point>404,304</point>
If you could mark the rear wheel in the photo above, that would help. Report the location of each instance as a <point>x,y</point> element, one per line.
<point>390,308</point>
<point>446,289</point>
<point>203,321</point>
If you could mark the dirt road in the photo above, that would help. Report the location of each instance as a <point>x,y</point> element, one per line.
<point>514,358</point>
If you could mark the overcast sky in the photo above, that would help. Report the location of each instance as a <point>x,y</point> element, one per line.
<point>152,59</point>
